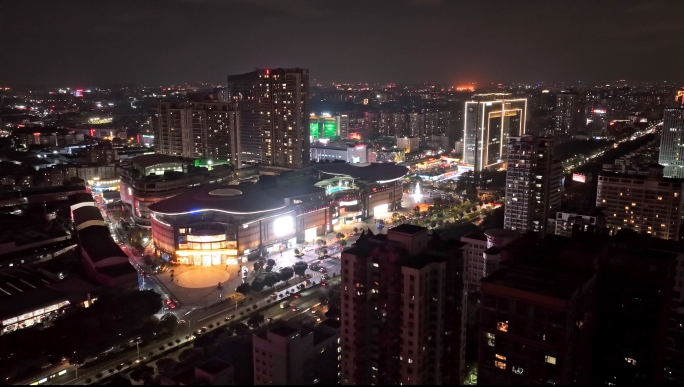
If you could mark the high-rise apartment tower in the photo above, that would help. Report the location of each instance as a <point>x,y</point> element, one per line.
<point>533,184</point>
<point>567,114</point>
<point>403,309</point>
<point>204,129</point>
<point>672,143</point>
<point>274,129</point>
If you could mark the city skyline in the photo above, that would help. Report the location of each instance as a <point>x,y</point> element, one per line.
<point>340,42</point>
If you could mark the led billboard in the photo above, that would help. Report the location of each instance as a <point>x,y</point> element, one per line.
<point>579,177</point>
<point>283,226</point>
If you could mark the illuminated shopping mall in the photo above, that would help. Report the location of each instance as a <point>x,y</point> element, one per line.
<point>221,224</point>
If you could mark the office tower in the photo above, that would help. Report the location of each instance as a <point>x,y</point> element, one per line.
<point>672,143</point>
<point>650,204</point>
<point>488,124</point>
<point>403,309</point>
<point>288,355</point>
<point>536,325</point>
<point>274,125</point>
<point>204,129</point>
<point>533,184</point>
<point>567,114</point>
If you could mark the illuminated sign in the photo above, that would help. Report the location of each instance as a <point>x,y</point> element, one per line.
<point>599,111</point>
<point>78,93</point>
<point>206,238</point>
<point>351,203</point>
<point>329,129</point>
<point>314,130</point>
<point>231,261</point>
<point>283,226</point>
<point>579,177</point>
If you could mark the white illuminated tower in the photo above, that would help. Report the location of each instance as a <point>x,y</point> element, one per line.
<point>672,143</point>
<point>489,121</point>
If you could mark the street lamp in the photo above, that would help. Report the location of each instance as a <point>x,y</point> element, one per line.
<point>137,346</point>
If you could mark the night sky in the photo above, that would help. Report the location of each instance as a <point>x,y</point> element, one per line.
<point>87,43</point>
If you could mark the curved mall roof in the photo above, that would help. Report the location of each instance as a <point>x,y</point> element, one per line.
<point>373,172</point>
<point>240,199</point>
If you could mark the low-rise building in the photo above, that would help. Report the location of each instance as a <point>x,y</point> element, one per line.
<point>149,179</point>
<point>286,355</point>
<point>338,151</point>
<point>409,144</point>
<point>214,372</point>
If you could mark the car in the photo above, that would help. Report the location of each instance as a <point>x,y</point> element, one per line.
<point>204,329</point>
<point>268,319</point>
<point>323,284</point>
<point>296,309</point>
<point>227,318</point>
<point>199,332</point>
<point>313,310</point>
<point>296,296</point>
<point>323,270</point>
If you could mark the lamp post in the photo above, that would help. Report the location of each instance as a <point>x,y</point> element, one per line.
<point>137,346</point>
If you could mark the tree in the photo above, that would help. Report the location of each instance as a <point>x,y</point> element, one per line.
<point>143,373</point>
<point>320,242</point>
<point>166,365</point>
<point>168,323</point>
<point>300,268</point>
<point>286,273</point>
<point>257,285</point>
<point>296,251</point>
<point>148,260</point>
<point>270,280</point>
<point>471,193</point>
<point>255,319</point>
<point>271,262</point>
<point>244,288</point>
<point>339,235</point>
<point>257,266</point>
<point>343,243</point>
<point>356,230</point>
<point>268,269</point>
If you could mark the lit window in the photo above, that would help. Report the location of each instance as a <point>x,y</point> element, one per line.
<point>550,359</point>
<point>500,357</point>
<point>500,365</point>
<point>660,198</point>
<point>502,326</point>
<point>490,339</point>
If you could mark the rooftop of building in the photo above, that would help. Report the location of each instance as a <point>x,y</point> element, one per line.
<point>284,330</point>
<point>146,161</point>
<point>24,230</point>
<point>407,229</point>
<point>373,172</point>
<point>25,289</point>
<point>86,214</point>
<point>240,199</point>
<point>295,191</point>
<point>543,279</point>
<point>213,366</point>
<point>97,242</point>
